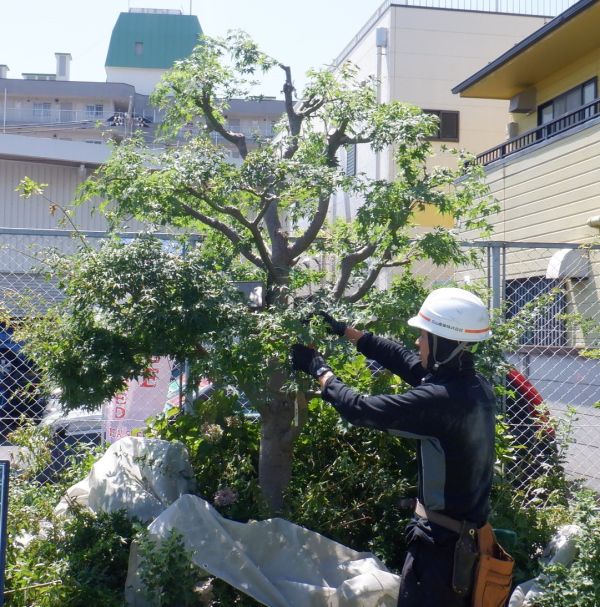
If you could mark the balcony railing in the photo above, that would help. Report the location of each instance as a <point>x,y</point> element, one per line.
<point>541,133</point>
<point>17,117</point>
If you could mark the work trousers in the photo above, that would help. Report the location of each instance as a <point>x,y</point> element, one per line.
<point>427,576</point>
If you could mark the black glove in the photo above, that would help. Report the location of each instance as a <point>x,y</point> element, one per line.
<point>308,360</point>
<point>337,327</point>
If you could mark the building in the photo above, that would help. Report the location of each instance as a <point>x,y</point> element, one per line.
<point>418,50</point>
<point>55,130</point>
<point>145,43</point>
<point>546,177</point>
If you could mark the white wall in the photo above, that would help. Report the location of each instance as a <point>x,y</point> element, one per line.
<point>143,79</point>
<point>429,52</point>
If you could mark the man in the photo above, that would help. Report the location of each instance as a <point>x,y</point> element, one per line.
<point>451,412</point>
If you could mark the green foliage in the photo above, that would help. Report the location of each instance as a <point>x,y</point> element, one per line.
<point>533,513</point>
<point>576,585</point>
<point>76,561</point>
<point>223,448</point>
<point>166,571</point>
<point>124,304</point>
<point>28,187</point>
<point>348,488</point>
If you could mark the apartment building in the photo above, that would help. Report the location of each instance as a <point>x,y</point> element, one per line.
<point>546,177</point>
<point>49,124</point>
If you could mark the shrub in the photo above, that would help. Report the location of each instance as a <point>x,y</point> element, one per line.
<point>577,585</point>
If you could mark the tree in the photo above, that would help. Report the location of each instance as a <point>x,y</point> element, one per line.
<point>264,218</point>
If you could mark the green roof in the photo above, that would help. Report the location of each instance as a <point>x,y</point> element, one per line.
<point>152,40</point>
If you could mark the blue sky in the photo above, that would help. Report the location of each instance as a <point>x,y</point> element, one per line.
<point>310,36</point>
<point>303,34</point>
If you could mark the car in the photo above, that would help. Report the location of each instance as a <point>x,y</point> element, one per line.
<point>19,382</point>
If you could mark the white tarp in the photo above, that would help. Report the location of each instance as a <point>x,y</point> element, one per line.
<point>140,475</point>
<point>561,550</point>
<point>276,562</point>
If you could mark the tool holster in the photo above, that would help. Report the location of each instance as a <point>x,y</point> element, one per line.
<point>466,555</point>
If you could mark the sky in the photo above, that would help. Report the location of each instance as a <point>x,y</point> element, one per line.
<point>302,34</point>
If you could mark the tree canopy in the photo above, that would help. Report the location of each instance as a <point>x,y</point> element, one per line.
<point>261,218</point>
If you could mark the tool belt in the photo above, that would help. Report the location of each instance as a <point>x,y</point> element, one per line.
<point>482,567</point>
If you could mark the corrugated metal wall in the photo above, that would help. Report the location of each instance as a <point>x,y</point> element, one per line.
<point>15,212</point>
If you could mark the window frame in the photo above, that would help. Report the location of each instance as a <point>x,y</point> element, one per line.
<point>42,109</point>
<point>563,96</point>
<point>440,114</point>
<point>350,168</point>
<point>548,328</point>
<point>97,112</point>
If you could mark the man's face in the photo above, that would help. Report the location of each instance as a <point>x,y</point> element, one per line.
<point>423,344</point>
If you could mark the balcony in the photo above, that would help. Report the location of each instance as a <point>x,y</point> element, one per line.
<point>542,133</point>
<point>17,118</point>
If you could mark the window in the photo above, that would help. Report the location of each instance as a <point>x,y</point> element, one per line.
<point>139,48</point>
<point>39,76</point>
<point>548,328</point>
<point>567,102</point>
<point>94,110</point>
<point>448,128</point>
<point>41,110</point>
<point>351,159</point>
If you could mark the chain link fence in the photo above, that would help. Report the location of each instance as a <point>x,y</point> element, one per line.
<point>550,292</point>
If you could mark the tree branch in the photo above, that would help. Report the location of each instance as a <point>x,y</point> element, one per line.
<point>227,231</point>
<point>251,226</point>
<point>267,201</point>
<point>310,106</point>
<point>294,119</point>
<point>348,264</point>
<point>313,229</point>
<point>238,139</point>
<point>371,277</point>
<point>335,141</point>
<point>345,140</point>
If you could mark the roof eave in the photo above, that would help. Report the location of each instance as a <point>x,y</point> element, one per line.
<point>526,43</point>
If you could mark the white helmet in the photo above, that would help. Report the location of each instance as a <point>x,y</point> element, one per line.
<point>454,314</point>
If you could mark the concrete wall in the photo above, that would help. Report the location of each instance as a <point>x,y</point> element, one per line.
<point>143,79</point>
<point>429,51</point>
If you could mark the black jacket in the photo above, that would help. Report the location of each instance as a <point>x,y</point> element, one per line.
<point>452,414</point>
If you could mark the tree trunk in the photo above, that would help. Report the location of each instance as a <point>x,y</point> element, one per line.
<point>283,416</point>
<point>278,432</point>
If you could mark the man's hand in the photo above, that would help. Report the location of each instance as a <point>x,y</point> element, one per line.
<point>337,327</point>
<point>308,360</point>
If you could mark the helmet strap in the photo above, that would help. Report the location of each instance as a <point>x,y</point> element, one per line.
<point>438,363</point>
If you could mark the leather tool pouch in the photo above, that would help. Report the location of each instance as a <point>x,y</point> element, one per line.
<point>466,554</point>
<point>493,579</point>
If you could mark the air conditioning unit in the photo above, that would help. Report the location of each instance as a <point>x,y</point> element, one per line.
<point>523,102</point>
<point>512,129</point>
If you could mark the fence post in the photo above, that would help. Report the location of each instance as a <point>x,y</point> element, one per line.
<point>495,269</point>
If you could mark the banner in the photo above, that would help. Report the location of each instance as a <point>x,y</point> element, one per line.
<point>142,398</point>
